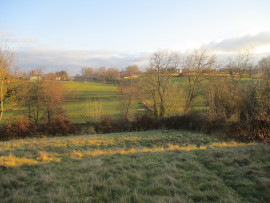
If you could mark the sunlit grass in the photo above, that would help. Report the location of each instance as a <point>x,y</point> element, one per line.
<point>13,161</point>
<point>230,144</point>
<point>47,157</point>
<point>54,149</point>
<point>153,166</point>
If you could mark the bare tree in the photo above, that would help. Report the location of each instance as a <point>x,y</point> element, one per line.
<point>131,71</point>
<point>241,64</point>
<point>101,73</point>
<point>8,81</point>
<point>264,66</point>
<point>52,98</point>
<point>50,76</point>
<point>63,75</point>
<point>87,71</point>
<point>44,98</point>
<point>128,91</point>
<point>34,97</point>
<point>155,84</point>
<point>195,65</point>
<point>129,96</point>
<point>113,74</point>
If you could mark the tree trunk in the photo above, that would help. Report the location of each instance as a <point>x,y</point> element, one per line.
<point>1,115</point>
<point>126,114</point>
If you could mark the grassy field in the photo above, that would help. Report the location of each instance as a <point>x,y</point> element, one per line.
<point>153,166</point>
<point>80,95</point>
<point>199,100</point>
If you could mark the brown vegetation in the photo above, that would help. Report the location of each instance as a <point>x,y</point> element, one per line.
<point>234,105</point>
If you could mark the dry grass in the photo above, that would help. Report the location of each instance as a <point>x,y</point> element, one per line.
<point>47,157</point>
<point>154,166</point>
<point>230,144</point>
<point>13,161</point>
<point>76,154</point>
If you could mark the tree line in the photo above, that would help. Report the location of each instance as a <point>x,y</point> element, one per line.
<point>110,74</point>
<point>236,94</point>
<point>231,100</point>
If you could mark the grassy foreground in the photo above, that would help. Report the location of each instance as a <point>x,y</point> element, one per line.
<point>153,166</point>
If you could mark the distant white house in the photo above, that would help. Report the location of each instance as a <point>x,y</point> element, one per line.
<point>178,70</point>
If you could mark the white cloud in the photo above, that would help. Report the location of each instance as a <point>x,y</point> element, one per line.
<point>17,41</point>
<point>31,54</point>
<point>239,43</point>
<point>73,61</point>
<point>6,37</point>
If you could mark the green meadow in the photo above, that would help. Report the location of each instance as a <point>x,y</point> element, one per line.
<point>199,100</point>
<point>80,96</point>
<point>152,166</point>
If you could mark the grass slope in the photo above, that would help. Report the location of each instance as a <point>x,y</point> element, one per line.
<point>153,166</point>
<point>79,95</point>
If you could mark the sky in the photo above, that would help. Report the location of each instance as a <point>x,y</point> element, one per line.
<point>71,34</point>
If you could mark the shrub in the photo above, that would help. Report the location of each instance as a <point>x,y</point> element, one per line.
<point>84,130</point>
<point>21,127</point>
<point>59,125</point>
<point>145,122</point>
<point>251,130</point>
<point>190,121</point>
<point>107,125</point>
<point>125,125</point>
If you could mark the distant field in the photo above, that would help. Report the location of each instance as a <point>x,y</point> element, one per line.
<point>199,101</point>
<point>153,166</point>
<point>80,95</point>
